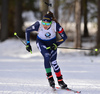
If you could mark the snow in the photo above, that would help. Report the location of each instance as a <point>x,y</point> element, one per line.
<point>28,16</point>
<point>23,73</point>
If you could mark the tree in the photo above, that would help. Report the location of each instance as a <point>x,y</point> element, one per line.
<point>18,18</point>
<point>4,20</point>
<point>86,34</point>
<point>43,7</point>
<point>31,5</point>
<point>0,19</point>
<point>98,32</point>
<point>11,18</point>
<point>78,22</point>
<point>56,6</point>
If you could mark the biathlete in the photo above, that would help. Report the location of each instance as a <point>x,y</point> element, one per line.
<point>47,45</point>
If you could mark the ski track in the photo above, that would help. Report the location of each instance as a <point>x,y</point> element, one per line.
<point>22,77</point>
<point>24,73</point>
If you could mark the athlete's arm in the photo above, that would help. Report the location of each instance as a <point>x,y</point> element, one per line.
<point>61,32</point>
<point>33,27</point>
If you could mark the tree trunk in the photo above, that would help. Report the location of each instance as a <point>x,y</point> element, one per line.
<point>98,32</point>
<point>4,20</point>
<point>78,22</point>
<point>11,18</point>
<point>56,6</point>
<point>18,18</point>
<point>43,7</point>
<point>86,34</point>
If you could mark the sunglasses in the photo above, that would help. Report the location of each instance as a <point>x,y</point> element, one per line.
<point>46,23</point>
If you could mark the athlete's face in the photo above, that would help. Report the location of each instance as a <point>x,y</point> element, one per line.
<point>46,24</point>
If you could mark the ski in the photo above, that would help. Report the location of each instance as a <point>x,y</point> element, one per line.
<point>68,89</point>
<point>55,90</point>
<point>53,87</point>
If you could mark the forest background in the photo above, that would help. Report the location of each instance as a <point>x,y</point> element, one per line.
<point>79,18</point>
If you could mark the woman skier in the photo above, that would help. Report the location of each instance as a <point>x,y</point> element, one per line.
<point>47,45</point>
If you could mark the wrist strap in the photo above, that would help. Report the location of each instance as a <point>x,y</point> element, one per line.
<point>28,42</point>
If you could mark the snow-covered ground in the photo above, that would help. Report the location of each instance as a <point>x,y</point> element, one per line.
<point>23,73</point>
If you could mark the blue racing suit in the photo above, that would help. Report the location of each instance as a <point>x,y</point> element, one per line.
<point>46,38</point>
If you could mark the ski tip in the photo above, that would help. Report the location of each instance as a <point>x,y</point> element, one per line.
<point>78,92</point>
<point>15,33</point>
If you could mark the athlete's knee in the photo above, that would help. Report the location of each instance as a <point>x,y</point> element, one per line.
<point>47,57</point>
<point>55,66</point>
<point>47,60</point>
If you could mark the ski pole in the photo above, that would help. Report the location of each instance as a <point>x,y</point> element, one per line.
<point>21,40</point>
<point>78,48</point>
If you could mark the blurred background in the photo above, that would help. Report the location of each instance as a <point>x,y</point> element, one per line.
<point>79,18</point>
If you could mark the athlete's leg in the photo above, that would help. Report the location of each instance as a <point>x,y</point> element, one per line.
<point>46,55</point>
<point>54,62</point>
<point>57,69</point>
<point>47,65</point>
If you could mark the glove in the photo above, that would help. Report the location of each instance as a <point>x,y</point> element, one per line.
<point>28,47</point>
<point>52,47</point>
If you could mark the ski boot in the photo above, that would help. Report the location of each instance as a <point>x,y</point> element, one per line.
<point>51,80</point>
<point>61,82</point>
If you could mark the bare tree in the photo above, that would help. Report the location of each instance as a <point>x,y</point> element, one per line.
<point>18,18</point>
<point>98,32</point>
<point>43,7</point>
<point>86,34</point>
<point>78,22</point>
<point>56,6</point>
<point>4,20</point>
<point>0,20</point>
